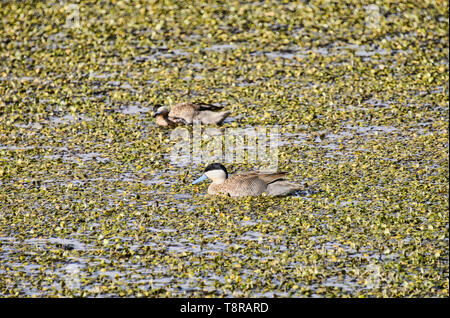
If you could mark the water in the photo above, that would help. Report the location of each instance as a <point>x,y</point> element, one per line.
<point>90,201</point>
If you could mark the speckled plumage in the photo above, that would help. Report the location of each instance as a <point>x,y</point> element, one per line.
<point>189,113</point>
<point>253,184</point>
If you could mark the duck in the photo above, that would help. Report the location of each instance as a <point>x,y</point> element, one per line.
<point>253,183</point>
<point>190,113</point>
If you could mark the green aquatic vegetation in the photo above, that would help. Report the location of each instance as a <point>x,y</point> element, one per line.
<point>91,204</point>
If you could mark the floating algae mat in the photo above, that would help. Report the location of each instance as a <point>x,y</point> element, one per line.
<point>91,204</point>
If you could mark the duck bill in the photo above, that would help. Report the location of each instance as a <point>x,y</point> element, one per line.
<point>202,178</point>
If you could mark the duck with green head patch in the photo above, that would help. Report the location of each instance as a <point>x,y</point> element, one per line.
<point>252,183</point>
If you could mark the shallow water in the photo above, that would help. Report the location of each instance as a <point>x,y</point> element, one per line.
<point>92,205</point>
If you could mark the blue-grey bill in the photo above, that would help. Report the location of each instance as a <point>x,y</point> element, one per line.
<point>202,178</point>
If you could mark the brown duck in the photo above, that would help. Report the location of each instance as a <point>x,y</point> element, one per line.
<point>190,113</point>
<point>246,183</point>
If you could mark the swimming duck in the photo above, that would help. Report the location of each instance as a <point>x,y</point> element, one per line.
<point>246,183</point>
<point>189,113</point>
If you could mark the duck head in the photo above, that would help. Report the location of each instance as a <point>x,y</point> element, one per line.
<point>216,172</point>
<point>161,116</point>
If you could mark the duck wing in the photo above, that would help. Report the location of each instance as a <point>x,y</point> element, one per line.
<point>183,111</point>
<point>205,106</point>
<point>267,177</point>
<point>270,177</point>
